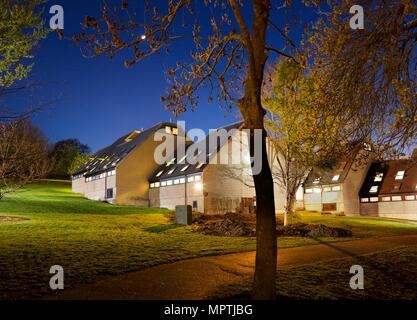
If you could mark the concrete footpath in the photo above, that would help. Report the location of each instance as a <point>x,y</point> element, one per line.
<point>198,278</point>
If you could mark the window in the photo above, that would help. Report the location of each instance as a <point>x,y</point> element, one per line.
<point>327,189</point>
<point>408,198</point>
<point>152,185</point>
<point>172,161</point>
<point>109,193</point>
<point>396,187</point>
<point>168,129</point>
<point>176,181</point>
<point>190,179</point>
<point>171,171</point>
<point>374,189</point>
<point>400,175</point>
<point>175,131</point>
<point>163,183</point>
<point>364,200</point>
<point>378,177</point>
<point>157,184</point>
<point>195,204</point>
<point>182,180</point>
<point>309,190</point>
<point>199,165</point>
<point>169,183</point>
<point>396,198</point>
<point>336,177</point>
<point>182,159</point>
<point>197,178</point>
<point>316,181</point>
<point>373,199</point>
<point>185,167</point>
<point>316,190</point>
<point>159,173</point>
<point>386,198</point>
<point>336,188</point>
<point>132,136</point>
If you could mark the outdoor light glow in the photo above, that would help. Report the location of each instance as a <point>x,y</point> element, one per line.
<point>143,37</point>
<point>198,186</point>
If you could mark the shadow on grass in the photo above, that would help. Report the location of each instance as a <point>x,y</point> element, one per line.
<point>163,228</point>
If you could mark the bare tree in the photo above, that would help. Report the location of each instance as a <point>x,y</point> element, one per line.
<point>23,155</point>
<point>231,50</point>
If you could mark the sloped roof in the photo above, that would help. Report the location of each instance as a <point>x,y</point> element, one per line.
<point>108,157</point>
<point>389,184</point>
<point>326,176</point>
<point>186,168</point>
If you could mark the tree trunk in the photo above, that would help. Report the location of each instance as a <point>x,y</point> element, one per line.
<point>266,239</point>
<point>289,208</point>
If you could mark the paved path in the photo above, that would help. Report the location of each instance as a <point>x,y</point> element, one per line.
<point>198,278</point>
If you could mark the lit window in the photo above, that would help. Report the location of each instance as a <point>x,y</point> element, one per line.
<point>373,199</point>
<point>199,165</point>
<point>152,185</point>
<point>408,198</point>
<point>316,190</point>
<point>190,179</point>
<point>175,131</point>
<point>168,129</point>
<point>336,177</point>
<point>309,190</point>
<point>157,184</point>
<point>396,198</point>
<point>326,189</point>
<point>159,173</point>
<point>386,198</point>
<point>182,159</point>
<point>364,200</point>
<point>336,188</point>
<point>177,181</point>
<point>316,180</point>
<point>182,180</point>
<point>400,175</point>
<point>197,178</point>
<point>185,167</point>
<point>163,183</point>
<point>378,177</point>
<point>172,161</point>
<point>171,171</point>
<point>169,183</point>
<point>374,189</point>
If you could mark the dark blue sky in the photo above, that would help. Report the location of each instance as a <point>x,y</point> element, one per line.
<point>99,99</point>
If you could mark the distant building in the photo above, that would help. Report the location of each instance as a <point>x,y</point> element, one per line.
<point>337,189</point>
<point>119,173</point>
<point>390,189</point>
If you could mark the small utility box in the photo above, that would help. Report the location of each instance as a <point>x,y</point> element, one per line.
<point>183,215</point>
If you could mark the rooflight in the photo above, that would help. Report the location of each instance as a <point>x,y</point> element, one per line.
<point>400,175</point>
<point>378,177</point>
<point>374,189</point>
<point>336,177</point>
<point>171,171</point>
<point>316,180</point>
<point>199,165</point>
<point>185,167</point>
<point>159,173</point>
<point>182,159</point>
<point>172,161</point>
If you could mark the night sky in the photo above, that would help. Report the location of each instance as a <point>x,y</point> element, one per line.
<point>97,100</point>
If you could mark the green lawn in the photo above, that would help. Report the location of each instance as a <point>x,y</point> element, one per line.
<point>389,274</point>
<point>93,240</point>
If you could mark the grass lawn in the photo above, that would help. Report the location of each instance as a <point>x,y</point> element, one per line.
<point>93,240</point>
<point>389,274</point>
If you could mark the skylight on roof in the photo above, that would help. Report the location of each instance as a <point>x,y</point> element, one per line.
<point>378,177</point>
<point>172,161</point>
<point>185,167</point>
<point>159,173</point>
<point>199,165</point>
<point>400,175</point>
<point>171,171</point>
<point>316,180</point>
<point>336,177</point>
<point>374,189</point>
<point>132,136</point>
